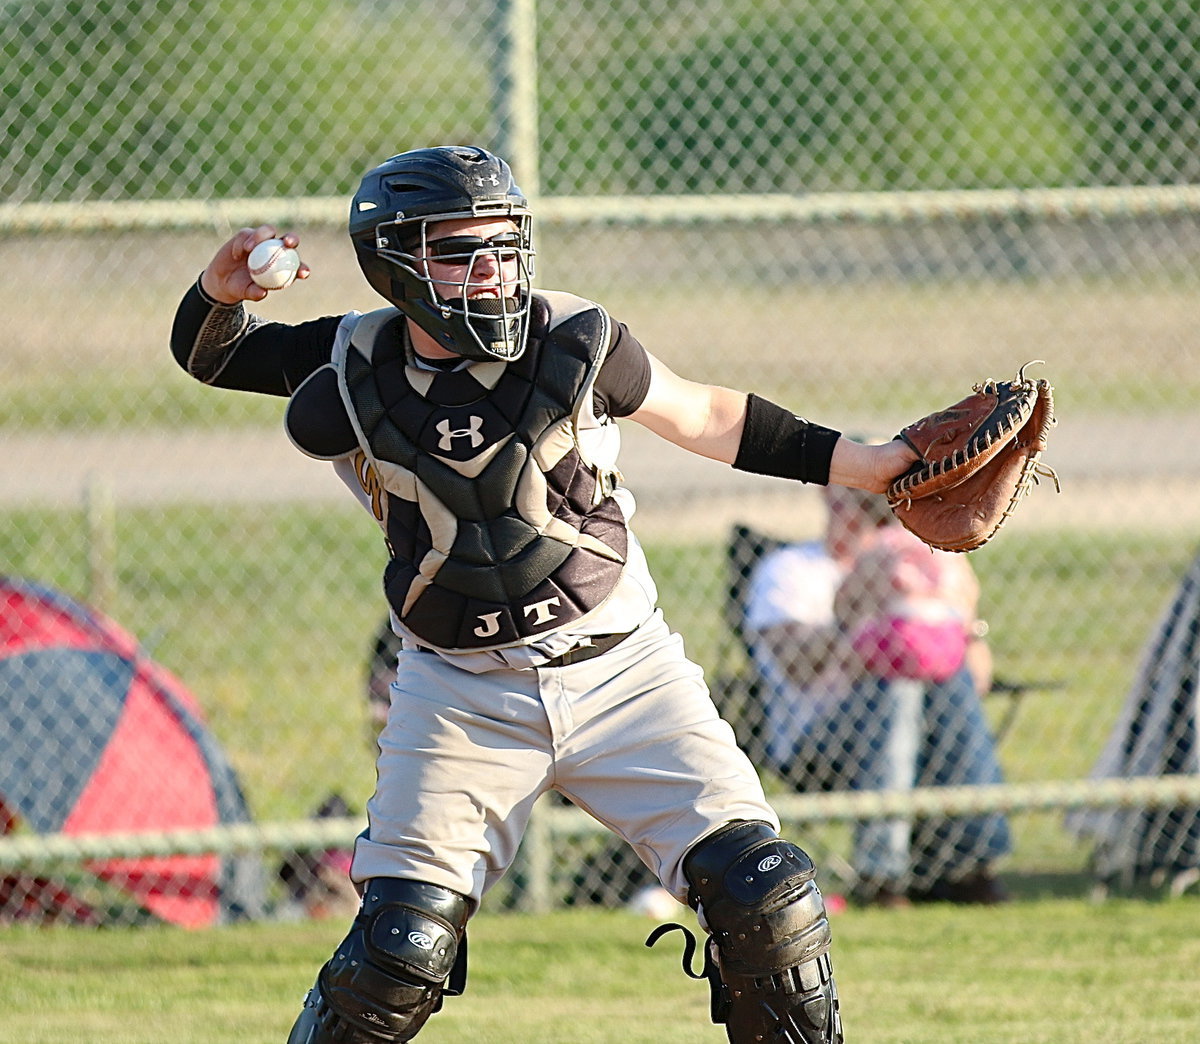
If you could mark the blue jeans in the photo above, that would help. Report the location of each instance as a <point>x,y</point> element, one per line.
<point>894,735</point>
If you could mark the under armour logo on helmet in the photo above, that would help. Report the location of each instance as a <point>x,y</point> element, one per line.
<point>491,179</point>
<point>449,434</point>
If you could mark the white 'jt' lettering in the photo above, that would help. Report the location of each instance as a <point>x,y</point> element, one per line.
<point>489,626</point>
<point>471,431</point>
<point>542,610</point>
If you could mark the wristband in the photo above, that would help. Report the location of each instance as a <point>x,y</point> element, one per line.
<point>210,300</point>
<point>776,442</point>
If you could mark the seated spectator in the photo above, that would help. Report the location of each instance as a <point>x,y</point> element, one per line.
<point>318,882</point>
<point>35,898</point>
<point>872,663</point>
<point>381,672</point>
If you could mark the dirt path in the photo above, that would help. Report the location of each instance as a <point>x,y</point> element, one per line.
<point>1103,468</point>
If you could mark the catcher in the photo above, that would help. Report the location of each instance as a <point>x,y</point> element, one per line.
<point>474,418</point>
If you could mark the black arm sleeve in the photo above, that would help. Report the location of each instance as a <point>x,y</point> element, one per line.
<point>624,377</point>
<point>777,442</point>
<point>226,347</point>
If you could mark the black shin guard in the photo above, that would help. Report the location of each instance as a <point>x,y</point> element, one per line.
<point>767,960</point>
<point>388,975</point>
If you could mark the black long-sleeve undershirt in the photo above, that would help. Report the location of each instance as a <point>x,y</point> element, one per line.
<point>275,358</point>
<point>268,358</point>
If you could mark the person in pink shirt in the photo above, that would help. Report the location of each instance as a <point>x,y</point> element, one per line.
<point>872,661</point>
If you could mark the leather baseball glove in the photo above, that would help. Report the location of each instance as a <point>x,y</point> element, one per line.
<point>978,458</point>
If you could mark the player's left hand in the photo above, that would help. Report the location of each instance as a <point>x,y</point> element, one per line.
<point>893,459</point>
<point>869,467</point>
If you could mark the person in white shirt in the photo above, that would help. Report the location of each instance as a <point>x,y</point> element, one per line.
<point>872,663</point>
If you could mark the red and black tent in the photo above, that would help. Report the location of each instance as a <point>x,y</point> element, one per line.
<point>97,738</point>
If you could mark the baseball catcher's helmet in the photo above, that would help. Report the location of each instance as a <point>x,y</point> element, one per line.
<point>389,220</point>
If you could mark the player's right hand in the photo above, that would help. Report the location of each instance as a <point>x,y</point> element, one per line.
<point>227,277</point>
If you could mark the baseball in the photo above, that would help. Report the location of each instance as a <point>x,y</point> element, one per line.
<point>273,265</point>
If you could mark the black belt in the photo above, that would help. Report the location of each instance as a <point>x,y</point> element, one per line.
<point>601,643</point>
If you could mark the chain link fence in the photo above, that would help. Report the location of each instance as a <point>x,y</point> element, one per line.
<point>856,209</point>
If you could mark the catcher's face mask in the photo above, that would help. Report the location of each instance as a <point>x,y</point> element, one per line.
<point>474,281</point>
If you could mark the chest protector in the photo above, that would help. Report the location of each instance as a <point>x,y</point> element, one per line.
<point>500,530</point>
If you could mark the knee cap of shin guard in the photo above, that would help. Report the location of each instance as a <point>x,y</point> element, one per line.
<point>386,978</point>
<point>745,861</point>
<point>759,898</point>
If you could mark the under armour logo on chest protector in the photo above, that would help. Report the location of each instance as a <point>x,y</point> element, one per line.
<point>473,432</point>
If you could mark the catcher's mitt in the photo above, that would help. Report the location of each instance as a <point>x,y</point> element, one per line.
<point>979,457</point>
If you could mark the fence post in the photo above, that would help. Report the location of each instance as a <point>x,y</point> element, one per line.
<point>100,520</point>
<point>537,848</point>
<point>517,91</point>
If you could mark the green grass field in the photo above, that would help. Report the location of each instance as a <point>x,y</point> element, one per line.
<point>1051,972</point>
